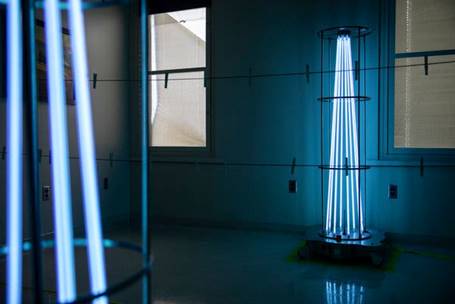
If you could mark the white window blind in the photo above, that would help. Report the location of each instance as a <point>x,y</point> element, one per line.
<point>178,105</point>
<point>424,104</point>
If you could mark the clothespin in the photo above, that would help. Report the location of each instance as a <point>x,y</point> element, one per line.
<point>425,59</point>
<point>357,70</point>
<point>166,80</point>
<point>95,76</point>
<point>307,73</point>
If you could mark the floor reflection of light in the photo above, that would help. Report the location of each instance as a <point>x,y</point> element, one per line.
<point>344,293</point>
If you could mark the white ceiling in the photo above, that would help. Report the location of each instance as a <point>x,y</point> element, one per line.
<point>193,20</point>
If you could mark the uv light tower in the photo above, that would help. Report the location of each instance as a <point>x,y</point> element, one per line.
<point>343,147</point>
<point>22,85</point>
<point>344,218</point>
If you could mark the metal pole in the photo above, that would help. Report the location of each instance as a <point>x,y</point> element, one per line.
<point>146,295</point>
<point>364,133</point>
<point>358,129</point>
<point>31,121</point>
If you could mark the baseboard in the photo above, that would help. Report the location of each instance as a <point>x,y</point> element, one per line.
<point>421,240</point>
<point>233,225</point>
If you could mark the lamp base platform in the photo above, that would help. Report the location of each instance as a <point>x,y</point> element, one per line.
<point>372,248</point>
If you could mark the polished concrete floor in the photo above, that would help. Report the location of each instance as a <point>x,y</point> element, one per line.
<point>201,266</point>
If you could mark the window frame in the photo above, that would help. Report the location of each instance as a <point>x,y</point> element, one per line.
<point>170,151</point>
<point>387,113</point>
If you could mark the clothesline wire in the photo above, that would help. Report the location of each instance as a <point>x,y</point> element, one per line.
<point>265,75</point>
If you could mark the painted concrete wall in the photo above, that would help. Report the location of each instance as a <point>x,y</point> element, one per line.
<point>271,121</point>
<point>107,42</point>
<point>277,118</point>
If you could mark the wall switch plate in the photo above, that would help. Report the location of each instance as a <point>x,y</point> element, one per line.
<point>393,191</point>
<point>292,186</point>
<point>45,193</point>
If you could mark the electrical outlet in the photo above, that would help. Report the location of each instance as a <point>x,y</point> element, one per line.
<point>292,186</point>
<point>106,183</point>
<point>393,191</point>
<point>45,193</point>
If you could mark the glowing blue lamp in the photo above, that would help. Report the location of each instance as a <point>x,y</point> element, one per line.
<point>66,287</point>
<point>59,141</point>
<point>14,155</point>
<point>66,283</point>
<point>345,211</point>
<point>87,153</point>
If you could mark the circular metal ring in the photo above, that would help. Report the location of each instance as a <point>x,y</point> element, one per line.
<point>107,243</point>
<point>331,98</point>
<point>354,31</point>
<point>344,168</point>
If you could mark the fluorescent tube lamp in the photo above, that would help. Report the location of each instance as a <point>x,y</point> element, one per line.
<point>87,153</point>
<point>14,155</point>
<point>344,212</point>
<point>66,289</point>
<point>64,249</point>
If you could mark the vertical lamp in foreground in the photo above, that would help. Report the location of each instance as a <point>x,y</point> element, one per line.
<point>14,155</point>
<point>87,153</point>
<point>66,289</point>
<point>344,212</point>
<point>64,242</point>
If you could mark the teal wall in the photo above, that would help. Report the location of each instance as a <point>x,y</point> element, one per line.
<point>270,120</point>
<point>277,118</point>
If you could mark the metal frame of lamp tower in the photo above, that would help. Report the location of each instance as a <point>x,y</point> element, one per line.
<point>22,85</point>
<point>343,133</point>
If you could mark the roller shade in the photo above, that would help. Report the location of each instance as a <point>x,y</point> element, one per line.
<point>424,103</point>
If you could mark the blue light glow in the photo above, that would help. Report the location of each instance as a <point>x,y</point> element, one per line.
<point>328,224</point>
<point>14,155</point>
<point>344,203</point>
<point>87,153</point>
<point>66,290</point>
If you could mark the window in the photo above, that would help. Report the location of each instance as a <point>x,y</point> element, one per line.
<point>424,112</point>
<point>178,67</point>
